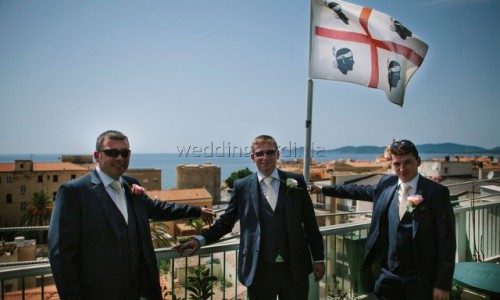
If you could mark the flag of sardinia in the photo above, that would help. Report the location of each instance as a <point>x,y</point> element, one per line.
<point>358,44</point>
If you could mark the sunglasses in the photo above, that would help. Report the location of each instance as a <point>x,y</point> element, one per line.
<point>116,152</point>
<point>267,153</point>
<point>403,147</point>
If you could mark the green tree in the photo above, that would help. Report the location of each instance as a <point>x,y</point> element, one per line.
<point>237,175</point>
<point>196,224</point>
<point>159,235</point>
<point>38,212</point>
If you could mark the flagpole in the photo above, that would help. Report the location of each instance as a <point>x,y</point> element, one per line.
<point>307,151</point>
<point>309,100</point>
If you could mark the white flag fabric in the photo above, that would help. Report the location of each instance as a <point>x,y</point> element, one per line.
<point>358,44</point>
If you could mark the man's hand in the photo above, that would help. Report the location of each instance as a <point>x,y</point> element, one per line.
<point>208,215</point>
<point>438,294</point>
<point>318,271</point>
<point>315,189</point>
<point>194,245</point>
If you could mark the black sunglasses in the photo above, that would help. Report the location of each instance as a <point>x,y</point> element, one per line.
<point>116,152</point>
<point>268,153</point>
<point>403,147</point>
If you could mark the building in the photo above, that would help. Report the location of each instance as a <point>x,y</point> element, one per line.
<point>194,176</point>
<point>21,179</point>
<point>198,197</point>
<point>445,168</point>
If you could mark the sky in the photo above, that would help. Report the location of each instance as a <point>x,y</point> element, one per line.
<point>178,75</point>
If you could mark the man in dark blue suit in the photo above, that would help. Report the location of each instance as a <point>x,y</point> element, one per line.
<point>415,240</point>
<point>280,242</point>
<point>99,237</point>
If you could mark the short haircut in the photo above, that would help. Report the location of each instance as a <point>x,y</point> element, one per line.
<point>404,147</point>
<point>111,134</point>
<point>261,139</point>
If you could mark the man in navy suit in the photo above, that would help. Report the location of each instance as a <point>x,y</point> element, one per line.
<point>280,242</point>
<point>416,244</point>
<point>99,237</point>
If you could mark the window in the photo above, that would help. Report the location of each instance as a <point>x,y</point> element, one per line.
<point>23,189</point>
<point>73,176</point>
<point>54,194</point>
<point>9,179</point>
<point>8,198</point>
<point>40,178</point>
<point>55,178</point>
<point>24,205</point>
<point>445,170</point>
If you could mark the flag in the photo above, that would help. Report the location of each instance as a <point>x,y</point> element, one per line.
<point>358,44</point>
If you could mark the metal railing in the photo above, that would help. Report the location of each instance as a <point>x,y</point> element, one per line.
<point>477,229</point>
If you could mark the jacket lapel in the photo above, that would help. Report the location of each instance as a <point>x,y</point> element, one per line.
<point>416,220</point>
<point>105,201</point>
<point>282,194</point>
<point>255,193</point>
<point>386,199</point>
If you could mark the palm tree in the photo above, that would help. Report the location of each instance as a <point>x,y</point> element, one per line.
<point>196,224</point>
<point>38,212</point>
<point>159,235</point>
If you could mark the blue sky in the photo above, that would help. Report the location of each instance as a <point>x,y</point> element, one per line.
<point>173,74</point>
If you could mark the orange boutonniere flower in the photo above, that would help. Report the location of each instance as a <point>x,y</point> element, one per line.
<point>137,190</point>
<point>415,202</point>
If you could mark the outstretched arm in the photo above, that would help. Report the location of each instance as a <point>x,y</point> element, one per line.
<point>193,245</point>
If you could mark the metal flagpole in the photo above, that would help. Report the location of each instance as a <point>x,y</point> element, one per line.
<point>307,146</point>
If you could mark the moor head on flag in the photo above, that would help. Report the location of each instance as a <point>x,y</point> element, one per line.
<point>387,53</point>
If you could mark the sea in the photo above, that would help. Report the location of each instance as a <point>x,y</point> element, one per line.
<point>167,162</point>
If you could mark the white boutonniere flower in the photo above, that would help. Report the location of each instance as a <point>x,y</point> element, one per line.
<point>291,184</point>
<point>415,202</point>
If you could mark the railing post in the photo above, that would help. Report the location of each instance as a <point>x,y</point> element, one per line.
<point>461,235</point>
<point>313,288</point>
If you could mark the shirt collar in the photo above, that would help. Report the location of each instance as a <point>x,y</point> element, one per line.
<point>106,179</point>
<point>412,183</point>
<point>274,175</point>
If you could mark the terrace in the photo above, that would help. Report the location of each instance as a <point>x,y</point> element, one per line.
<point>477,232</point>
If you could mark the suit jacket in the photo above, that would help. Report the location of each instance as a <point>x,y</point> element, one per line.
<point>304,237</point>
<point>84,250</point>
<point>433,226</point>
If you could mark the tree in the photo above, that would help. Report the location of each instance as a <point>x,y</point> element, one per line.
<point>196,224</point>
<point>237,175</point>
<point>159,235</point>
<point>39,210</point>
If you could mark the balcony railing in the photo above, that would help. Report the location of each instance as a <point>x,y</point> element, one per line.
<point>478,239</point>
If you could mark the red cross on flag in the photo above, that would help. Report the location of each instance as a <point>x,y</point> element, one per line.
<point>358,44</point>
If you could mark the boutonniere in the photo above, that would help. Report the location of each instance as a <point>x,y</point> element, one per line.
<point>291,185</point>
<point>415,202</point>
<point>137,190</point>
